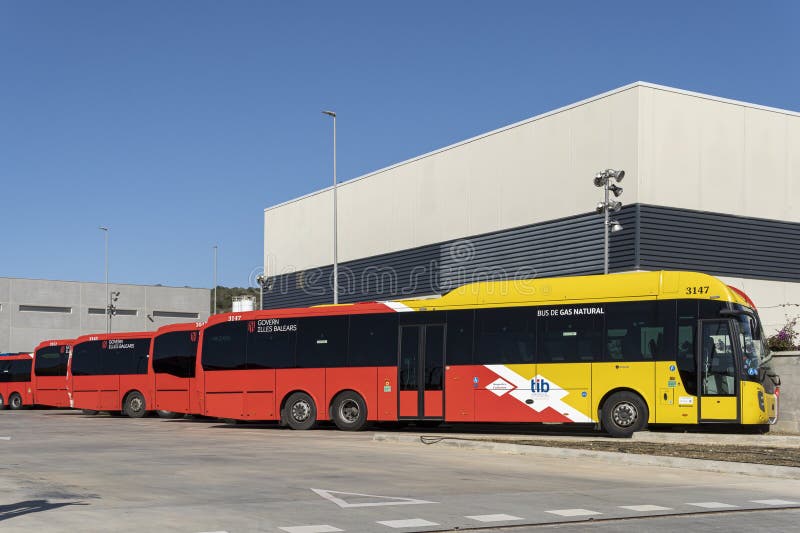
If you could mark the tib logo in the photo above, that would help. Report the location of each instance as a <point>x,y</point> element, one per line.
<point>193,336</point>
<point>251,326</point>
<point>104,344</point>
<point>540,385</point>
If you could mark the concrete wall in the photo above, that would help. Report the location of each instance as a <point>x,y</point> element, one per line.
<point>710,154</point>
<point>788,368</point>
<point>141,309</point>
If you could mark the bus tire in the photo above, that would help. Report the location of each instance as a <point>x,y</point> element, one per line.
<point>170,415</point>
<point>134,406</point>
<point>300,411</point>
<point>624,413</point>
<point>15,401</point>
<point>349,411</point>
<point>89,412</point>
<point>2,403</point>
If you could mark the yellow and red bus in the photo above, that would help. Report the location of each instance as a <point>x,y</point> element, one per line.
<point>50,372</point>
<point>616,351</point>
<point>172,369</point>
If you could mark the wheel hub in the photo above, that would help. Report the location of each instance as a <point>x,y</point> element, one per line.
<point>136,404</point>
<point>301,411</point>
<point>349,411</point>
<point>624,414</point>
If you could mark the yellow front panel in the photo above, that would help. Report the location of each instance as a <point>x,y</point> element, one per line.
<point>673,404</point>
<point>718,408</point>
<point>638,376</point>
<point>752,412</point>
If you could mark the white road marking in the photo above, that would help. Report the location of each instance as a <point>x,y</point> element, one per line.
<point>322,528</point>
<point>385,500</point>
<point>5,438</point>
<point>645,508</point>
<point>713,505</point>
<point>774,502</point>
<point>573,512</point>
<point>411,522</point>
<point>494,517</point>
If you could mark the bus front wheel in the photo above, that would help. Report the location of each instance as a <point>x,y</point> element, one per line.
<point>624,413</point>
<point>2,403</point>
<point>349,411</point>
<point>300,411</point>
<point>15,401</point>
<point>134,405</point>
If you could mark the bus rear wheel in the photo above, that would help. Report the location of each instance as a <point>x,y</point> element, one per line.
<point>134,405</point>
<point>624,413</point>
<point>349,411</point>
<point>300,411</point>
<point>2,403</point>
<point>15,401</point>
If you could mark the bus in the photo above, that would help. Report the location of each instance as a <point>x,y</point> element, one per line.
<point>617,352</point>
<point>108,372</point>
<point>172,369</point>
<point>50,373</point>
<point>15,380</point>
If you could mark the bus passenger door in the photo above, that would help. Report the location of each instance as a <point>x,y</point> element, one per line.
<point>718,360</point>
<point>421,372</point>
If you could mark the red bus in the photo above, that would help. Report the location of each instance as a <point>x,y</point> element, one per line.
<point>617,351</point>
<point>50,373</point>
<point>172,369</point>
<point>108,372</point>
<point>16,389</point>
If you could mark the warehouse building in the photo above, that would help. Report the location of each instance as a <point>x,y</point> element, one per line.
<point>711,185</point>
<point>33,310</point>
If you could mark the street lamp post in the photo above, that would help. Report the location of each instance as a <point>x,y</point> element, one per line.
<point>608,180</point>
<point>108,294</point>
<point>215,279</point>
<point>335,217</point>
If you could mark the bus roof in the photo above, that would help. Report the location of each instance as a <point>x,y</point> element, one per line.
<point>184,326</point>
<point>15,356</point>
<point>537,291</point>
<point>53,342</point>
<point>117,335</point>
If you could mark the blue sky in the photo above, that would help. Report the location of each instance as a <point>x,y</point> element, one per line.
<point>176,123</point>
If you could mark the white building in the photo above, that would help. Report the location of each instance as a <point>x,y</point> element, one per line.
<point>711,185</point>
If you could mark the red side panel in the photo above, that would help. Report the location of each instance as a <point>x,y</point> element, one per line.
<point>310,380</point>
<point>224,394</point>
<point>460,405</point>
<point>387,393</point>
<point>409,403</point>
<point>138,382</point>
<point>259,400</point>
<point>433,403</point>
<point>98,393</point>
<point>359,379</point>
<point>51,391</point>
<point>171,393</point>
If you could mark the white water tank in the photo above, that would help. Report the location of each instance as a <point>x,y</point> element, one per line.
<point>243,303</point>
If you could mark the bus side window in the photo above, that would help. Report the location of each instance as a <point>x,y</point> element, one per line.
<point>460,337</point>
<point>224,346</point>
<point>640,331</point>
<point>570,339</point>
<point>373,340</point>
<point>505,335</point>
<point>322,342</point>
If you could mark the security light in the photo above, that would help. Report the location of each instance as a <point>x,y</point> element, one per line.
<point>615,226</point>
<point>614,206</point>
<point>600,207</point>
<point>616,189</point>
<point>600,180</point>
<point>616,174</point>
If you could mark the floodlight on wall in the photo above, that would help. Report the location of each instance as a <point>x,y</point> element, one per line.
<point>615,226</point>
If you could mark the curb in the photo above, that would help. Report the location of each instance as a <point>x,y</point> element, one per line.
<point>724,467</point>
